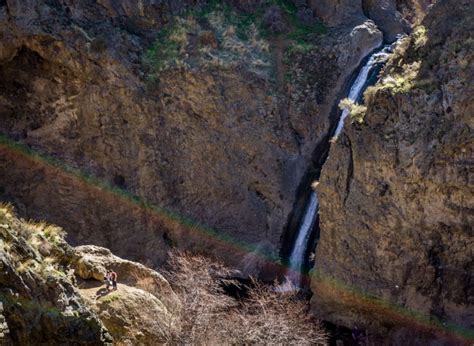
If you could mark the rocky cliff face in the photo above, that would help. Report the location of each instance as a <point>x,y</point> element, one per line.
<point>223,135</point>
<point>52,293</point>
<point>390,16</point>
<point>38,296</point>
<point>397,192</point>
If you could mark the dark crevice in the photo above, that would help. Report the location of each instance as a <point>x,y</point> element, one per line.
<point>120,182</point>
<point>437,308</point>
<point>236,287</point>
<point>260,195</point>
<point>166,238</point>
<point>350,171</point>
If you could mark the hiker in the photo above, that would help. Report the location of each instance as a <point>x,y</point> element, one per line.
<point>111,280</point>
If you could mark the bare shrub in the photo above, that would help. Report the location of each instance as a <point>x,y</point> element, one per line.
<point>209,316</point>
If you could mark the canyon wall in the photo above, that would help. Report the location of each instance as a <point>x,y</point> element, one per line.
<point>391,16</point>
<point>397,193</point>
<point>223,139</point>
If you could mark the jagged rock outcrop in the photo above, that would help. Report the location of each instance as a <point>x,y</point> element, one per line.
<point>337,12</point>
<point>92,262</point>
<point>414,10</point>
<point>143,310</point>
<point>216,139</point>
<point>397,193</point>
<point>39,299</point>
<point>51,293</point>
<point>385,14</point>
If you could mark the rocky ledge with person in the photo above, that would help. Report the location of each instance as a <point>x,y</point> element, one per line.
<point>44,279</point>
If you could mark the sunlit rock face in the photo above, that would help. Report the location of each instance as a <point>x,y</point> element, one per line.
<point>224,144</point>
<point>396,194</point>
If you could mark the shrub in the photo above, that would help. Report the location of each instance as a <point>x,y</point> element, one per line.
<point>24,266</point>
<point>169,46</point>
<point>420,36</point>
<point>240,39</point>
<point>211,316</point>
<point>356,111</point>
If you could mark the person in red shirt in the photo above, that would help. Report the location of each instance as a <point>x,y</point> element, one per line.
<point>111,280</point>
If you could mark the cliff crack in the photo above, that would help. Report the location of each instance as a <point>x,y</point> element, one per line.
<point>350,171</point>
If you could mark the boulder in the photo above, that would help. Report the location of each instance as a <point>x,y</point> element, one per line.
<point>343,12</point>
<point>39,299</point>
<point>92,262</point>
<point>385,14</point>
<point>134,316</point>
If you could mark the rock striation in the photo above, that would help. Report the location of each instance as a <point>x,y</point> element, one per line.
<point>397,193</point>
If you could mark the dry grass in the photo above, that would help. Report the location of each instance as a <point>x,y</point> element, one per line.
<point>38,240</point>
<point>174,47</point>
<point>209,316</point>
<point>356,111</point>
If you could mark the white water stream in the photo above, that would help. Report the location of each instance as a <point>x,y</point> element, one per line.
<point>297,259</point>
<point>360,83</point>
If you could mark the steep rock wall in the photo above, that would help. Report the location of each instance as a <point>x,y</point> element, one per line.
<point>397,192</point>
<point>225,147</point>
<point>385,13</point>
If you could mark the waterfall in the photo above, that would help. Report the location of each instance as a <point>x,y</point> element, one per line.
<point>362,81</point>
<point>298,258</point>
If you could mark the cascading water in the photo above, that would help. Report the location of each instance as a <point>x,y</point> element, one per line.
<point>298,257</point>
<point>296,260</point>
<point>363,80</point>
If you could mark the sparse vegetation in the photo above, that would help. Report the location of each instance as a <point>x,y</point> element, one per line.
<point>210,316</point>
<point>109,298</point>
<point>169,47</point>
<point>239,39</point>
<point>38,240</point>
<point>232,40</point>
<point>403,81</point>
<point>420,36</point>
<point>356,111</point>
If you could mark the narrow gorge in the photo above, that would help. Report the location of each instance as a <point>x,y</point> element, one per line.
<point>304,166</point>
<point>307,233</point>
